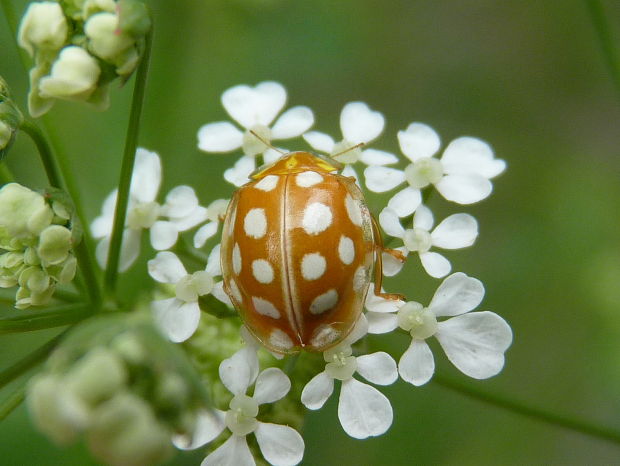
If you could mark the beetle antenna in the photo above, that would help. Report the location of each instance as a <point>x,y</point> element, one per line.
<point>267,143</point>
<point>356,146</point>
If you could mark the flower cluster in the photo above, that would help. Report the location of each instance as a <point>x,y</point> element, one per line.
<point>80,47</point>
<point>37,235</point>
<point>118,384</point>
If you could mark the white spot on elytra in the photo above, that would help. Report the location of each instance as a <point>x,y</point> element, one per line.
<point>324,302</point>
<point>265,308</point>
<point>317,218</point>
<point>359,278</point>
<point>313,266</point>
<point>346,250</point>
<point>354,211</point>
<point>234,290</point>
<point>255,223</point>
<point>279,339</point>
<point>307,179</point>
<point>236,259</point>
<point>262,271</point>
<point>323,336</point>
<point>267,184</point>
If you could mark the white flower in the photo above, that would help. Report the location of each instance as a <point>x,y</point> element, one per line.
<point>474,342</point>
<point>74,75</point>
<point>454,232</point>
<point>215,214</point>
<point>178,317</point>
<point>254,109</point>
<point>280,445</point>
<point>362,409</point>
<point>43,27</point>
<point>359,124</point>
<point>142,210</point>
<point>461,175</point>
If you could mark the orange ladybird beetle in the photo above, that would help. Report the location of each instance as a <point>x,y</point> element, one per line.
<point>298,248</point>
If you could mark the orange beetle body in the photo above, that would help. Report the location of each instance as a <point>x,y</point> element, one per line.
<point>297,254</point>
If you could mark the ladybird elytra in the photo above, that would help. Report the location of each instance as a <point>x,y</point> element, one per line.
<point>297,253</point>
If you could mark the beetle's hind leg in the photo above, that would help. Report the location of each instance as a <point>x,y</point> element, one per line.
<point>379,250</point>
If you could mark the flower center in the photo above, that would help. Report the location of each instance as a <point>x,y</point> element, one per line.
<point>191,286</point>
<point>417,239</point>
<point>423,172</point>
<point>253,145</point>
<point>417,320</point>
<point>347,156</point>
<point>341,364</point>
<point>241,417</point>
<point>143,215</point>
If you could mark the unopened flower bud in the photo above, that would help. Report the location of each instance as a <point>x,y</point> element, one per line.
<point>43,27</point>
<point>20,209</point>
<point>54,244</point>
<point>6,133</point>
<point>105,39</point>
<point>134,18</point>
<point>74,75</point>
<point>67,271</point>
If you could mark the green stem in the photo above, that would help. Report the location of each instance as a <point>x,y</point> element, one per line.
<point>5,174</point>
<point>45,152</point>
<point>11,17</point>
<point>23,365</point>
<point>13,401</point>
<point>129,156</point>
<point>606,41</point>
<point>55,317</point>
<point>571,423</point>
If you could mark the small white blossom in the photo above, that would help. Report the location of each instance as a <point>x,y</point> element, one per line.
<point>178,317</point>
<point>43,27</point>
<point>461,175</point>
<point>474,342</point>
<point>280,445</point>
<point>73,76</point>
<point>254,109</point>
<point>215,214</point>
<point>454,232</point>
<point>363,410</point>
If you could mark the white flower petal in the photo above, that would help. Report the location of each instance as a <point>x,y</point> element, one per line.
<point>389,221</point>
<point>280,445</point>
<point>406,201</point>
<point>205,232</point>
<point>417,365</point>
<point>464,189</point>
<point>348,170</point>
<point>195,217</point>
<point>271,155</point>
<point>163,235</point>
<point>435,264</point>
<point>475,343</point>
<point>320,141</point>
<point>381,179</point>
<point>418,141</point>
<point>381,305</point>
<point>360,329</point>
<point>381,323</point>
<point>391,265</point>
<point>180,201</point>
<point>214,266</point>
<point>176,319</point>
<point>240,173</point>
<point>258,105</point>
<point>378,157</point>
<point>456,295</point>
<point>359,123</point>
<point>467,155</point>
<point>130,249</point>
<point>378,368</point>
<point>220,294</point>
<point>239,371</point>
<point>166,267</point>
<point>292,123</point>
<point>456,231</point>
<point>317,391</point>
<point>363,410</point>
<point>233,452</point>
<point>209,425</point>
<point>221,136</point>
<point>146,176</point>
<point>102,225</point>
<point>271,385</point>
<point>423,218</point>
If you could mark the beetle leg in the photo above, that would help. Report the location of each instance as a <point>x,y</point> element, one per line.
<point>380,249</point>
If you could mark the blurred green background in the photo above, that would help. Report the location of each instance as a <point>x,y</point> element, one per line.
<point>528,76</point>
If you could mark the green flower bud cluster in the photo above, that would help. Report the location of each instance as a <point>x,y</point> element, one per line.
<point>37,236</point>
<point>10,119</point>
<point>80,47</point>
<point>118,383</point>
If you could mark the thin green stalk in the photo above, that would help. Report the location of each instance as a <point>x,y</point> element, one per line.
<point>539,414</point>
<point>9,14</point>
<point>606,41</point>
<point>13,401</point>
<point>23,365</point>
<point>5,174</point>
<point>45,152</point>
<point>55,317</point>
<point>129,156</point>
